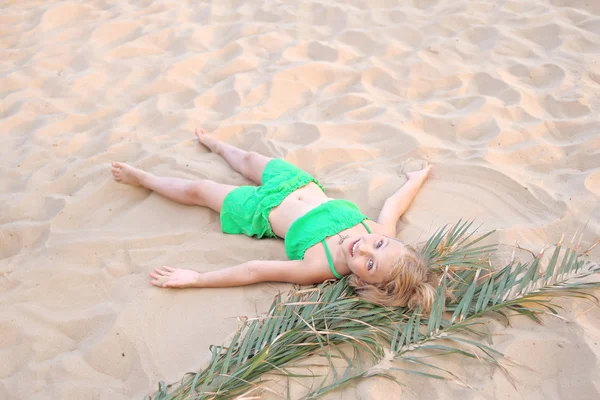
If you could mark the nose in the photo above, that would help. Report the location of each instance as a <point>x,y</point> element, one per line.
<point>364,250</point>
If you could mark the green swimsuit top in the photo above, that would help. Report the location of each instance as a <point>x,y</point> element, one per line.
<point>323,221</point>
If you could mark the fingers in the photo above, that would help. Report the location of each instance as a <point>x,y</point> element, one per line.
<point>155,276</point>
<point>159,283</point>
<point>163,272</point>
<point>162,281</point>
<point>156,283</point>
<point>161,277</point>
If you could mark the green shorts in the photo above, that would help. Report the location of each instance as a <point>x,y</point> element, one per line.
<point>246,209</point>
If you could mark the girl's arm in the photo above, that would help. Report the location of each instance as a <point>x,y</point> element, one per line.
<point>300,272</point>
<point>398,203</point>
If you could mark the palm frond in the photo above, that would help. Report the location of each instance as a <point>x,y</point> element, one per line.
<point>321,319</point>
<point>455,247</point>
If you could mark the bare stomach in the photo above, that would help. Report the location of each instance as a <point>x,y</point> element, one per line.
<point>295,205</point>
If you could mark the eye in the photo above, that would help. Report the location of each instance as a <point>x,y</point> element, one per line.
<point>370,265</point>
<point>379,244</point>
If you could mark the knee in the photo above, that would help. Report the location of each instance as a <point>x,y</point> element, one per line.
<point>249,160</point>
<point>194,192</point>
<point>250,157</point>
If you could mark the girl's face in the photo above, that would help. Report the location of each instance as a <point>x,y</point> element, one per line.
<point>371,257</point>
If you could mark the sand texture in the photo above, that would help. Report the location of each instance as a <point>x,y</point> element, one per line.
<point>502,96</point>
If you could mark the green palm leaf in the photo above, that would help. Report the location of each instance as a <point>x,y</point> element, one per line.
<point>321,319</point>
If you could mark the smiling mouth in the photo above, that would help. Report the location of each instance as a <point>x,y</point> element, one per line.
<point>353,247</point>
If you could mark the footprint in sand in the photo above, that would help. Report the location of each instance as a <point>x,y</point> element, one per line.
<point>592,183</point>
<point>23,238</point>
<point>321,52</point>
<point>544,76</point>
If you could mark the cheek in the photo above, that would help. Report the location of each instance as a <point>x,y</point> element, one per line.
<point>354,267</point>
<point>360,275</point>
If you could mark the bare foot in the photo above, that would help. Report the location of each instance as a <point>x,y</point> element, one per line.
<point>420,175</point>
<point>167,277</point>
<point>125,173</point>
<point>206,140</point>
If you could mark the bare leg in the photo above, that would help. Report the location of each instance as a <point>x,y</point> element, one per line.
<point>247,163</point>
<point>184,191</point>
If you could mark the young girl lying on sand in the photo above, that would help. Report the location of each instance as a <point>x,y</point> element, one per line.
<point>324,238</point>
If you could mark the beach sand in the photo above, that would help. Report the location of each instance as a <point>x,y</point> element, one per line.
<point>503,97</point>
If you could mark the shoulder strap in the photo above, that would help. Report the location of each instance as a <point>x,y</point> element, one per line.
<point>365,225</point>
<point>330,260</point>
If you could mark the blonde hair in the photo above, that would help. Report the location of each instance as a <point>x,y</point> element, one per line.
<point>410,284</point>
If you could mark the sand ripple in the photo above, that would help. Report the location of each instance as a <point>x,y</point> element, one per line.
<point>501,96</point>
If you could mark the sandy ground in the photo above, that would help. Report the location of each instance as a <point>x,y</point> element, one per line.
<point>502,96</point>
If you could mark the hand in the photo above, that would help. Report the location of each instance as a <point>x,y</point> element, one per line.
<point>419,175</point>
<point>167,277</point>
